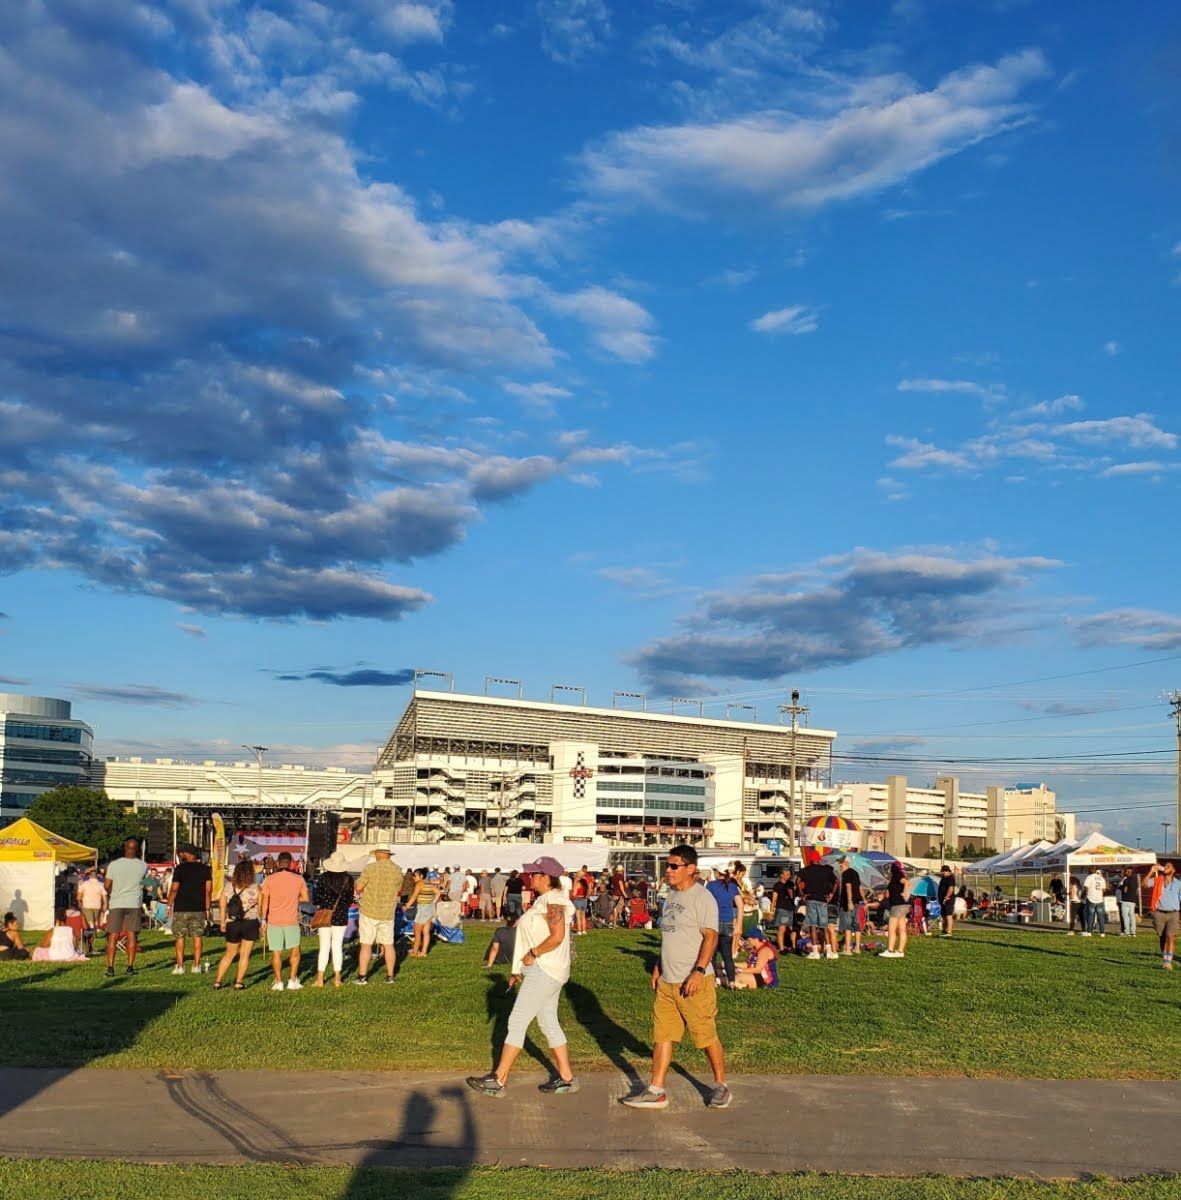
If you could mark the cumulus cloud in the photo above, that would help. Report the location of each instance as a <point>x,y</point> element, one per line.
<point>795,320</point>
<point>962,387</point>
<point>1143,628</point>
<point>883,131</point>
<point>841,610</point>
<point>218,322</point>
<point>360,677</point>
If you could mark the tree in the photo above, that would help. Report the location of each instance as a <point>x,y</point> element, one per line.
<point>87,816</point>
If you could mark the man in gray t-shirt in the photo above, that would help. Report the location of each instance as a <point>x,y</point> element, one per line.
<point>683,982</point>
<point>125,895</point>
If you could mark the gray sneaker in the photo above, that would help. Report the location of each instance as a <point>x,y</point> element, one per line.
<point>486,1085</point>
<point>558,1086</point>
<point>720,1097</point>
<point>646,1098</point>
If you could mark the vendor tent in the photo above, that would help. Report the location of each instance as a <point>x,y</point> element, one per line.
<point>30,858</point>
<point>479,856</point>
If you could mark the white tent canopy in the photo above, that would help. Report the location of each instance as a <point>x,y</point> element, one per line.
<point>1042,858</point>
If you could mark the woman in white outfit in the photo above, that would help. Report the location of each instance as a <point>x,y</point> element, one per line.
<point>541,961</point>
<point>334,891</point>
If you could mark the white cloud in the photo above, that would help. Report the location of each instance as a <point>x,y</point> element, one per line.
<point>1146,467</point>
<point>1139,432</point>
<point>1112,348</point>
<point>572,29</point>
<point>540,397</point>
<point>886,130</point>
<point>919,455</point>
<point>794,320</point>
<point>619,326</point>
<point>962,387</point>
<point>1144,628</point>
<point>1054,408</point>
<point>415,22</point>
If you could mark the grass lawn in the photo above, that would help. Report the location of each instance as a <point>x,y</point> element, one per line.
<point>992,1001</point>
<point>84,1181</point>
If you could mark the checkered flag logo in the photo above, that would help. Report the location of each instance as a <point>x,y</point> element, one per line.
<point>580,774</point>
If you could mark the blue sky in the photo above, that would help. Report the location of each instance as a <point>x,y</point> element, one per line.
<point>691,349</point>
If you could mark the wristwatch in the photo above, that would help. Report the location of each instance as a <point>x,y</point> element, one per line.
<point>699,970</point>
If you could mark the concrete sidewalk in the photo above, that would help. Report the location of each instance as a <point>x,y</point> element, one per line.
<point>777,1123</point>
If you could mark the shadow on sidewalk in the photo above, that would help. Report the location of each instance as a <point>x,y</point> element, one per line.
<point>437,1131</point>
<point>57,1032</point>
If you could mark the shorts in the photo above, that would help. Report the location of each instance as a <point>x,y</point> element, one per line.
<point>898,912</point>
<point>579,903</point>
<point>124,920</point>
<point>673,1013</point>
<point>242,930</point>
<point>370,930</point>
<point>282,937</point>
<point>847,923</point>
<point>425,914</point>
<point>91,917</point>
<point>784,916</point>
<point>188,924</point>
<point>818,914</point>
<point>1166,923</point>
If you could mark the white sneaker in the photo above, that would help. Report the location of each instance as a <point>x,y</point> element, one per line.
<point>178,970</point>
<point>276,986</point>
<point>196,969</point>
<point>1086,935</point>
<point>830,954</point>
<point>889,954</point>
<point>814,954</point>
<point>293,985</point>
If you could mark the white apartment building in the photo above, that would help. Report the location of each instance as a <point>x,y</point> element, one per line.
<point>917,821</point>
<point>473,768</point>
<point>41,747</point>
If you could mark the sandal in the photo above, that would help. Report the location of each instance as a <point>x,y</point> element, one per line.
<point>239,987</point>
<point>217,987</point>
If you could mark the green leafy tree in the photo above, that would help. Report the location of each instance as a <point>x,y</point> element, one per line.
<point>87,816</point>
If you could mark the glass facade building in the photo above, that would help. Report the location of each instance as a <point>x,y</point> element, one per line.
<point>41,747</point>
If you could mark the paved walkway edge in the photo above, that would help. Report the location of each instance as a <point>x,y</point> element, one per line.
<point>780,1123</point>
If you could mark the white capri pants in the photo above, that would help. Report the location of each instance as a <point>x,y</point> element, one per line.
<point>331,942</point>
<point>536,998</point>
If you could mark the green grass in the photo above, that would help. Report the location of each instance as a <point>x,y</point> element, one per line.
<point>994,1001</point>
<point>84,1181</point>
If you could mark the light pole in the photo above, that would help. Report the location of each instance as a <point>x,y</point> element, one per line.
<point>1175,712</point>
<point>258,752</point>
<point>1167,825</point>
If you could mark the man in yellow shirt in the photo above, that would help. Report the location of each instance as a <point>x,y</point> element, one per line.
<point>377,888</point>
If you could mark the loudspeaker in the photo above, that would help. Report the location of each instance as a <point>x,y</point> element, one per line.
<point>320,841</point>
<point>158,843</point>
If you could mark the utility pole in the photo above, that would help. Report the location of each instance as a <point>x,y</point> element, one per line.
<point>1175,712</point>
<point>1167,825</point>
<point>796,709</point>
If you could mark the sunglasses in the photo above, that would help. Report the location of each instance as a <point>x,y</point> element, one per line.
<point>672,866</point>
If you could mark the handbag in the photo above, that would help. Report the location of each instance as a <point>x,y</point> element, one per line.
<point>322,917</point>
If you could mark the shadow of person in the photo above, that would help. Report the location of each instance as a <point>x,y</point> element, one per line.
<point>437,1130</point>
<point>19,907</point>
<point>649,954</point>
<point>498,1003</point>
<point>615,1041</point>
<point>49,1033</point>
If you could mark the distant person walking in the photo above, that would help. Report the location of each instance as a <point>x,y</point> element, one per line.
<point>1166,908</point>
<point>333,894</point>
<point>685,995</point>
<point>125,898</point>
<point>784,908</point>
<point>238,915</point>
<point>283,891</point>
<point>541,960</point>
<point>92,898</point>
<point>189,904</point>
<point>727,897</point>
<point>514,888</point>
<point>378,887</point>
<point>897,910</point>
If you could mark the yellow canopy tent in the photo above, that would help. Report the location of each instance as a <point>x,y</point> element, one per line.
<point>26,841</point>
<point>30,858</point>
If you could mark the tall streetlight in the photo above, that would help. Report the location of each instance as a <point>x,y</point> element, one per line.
<point>258,752</point>
<point>1166,825</point>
